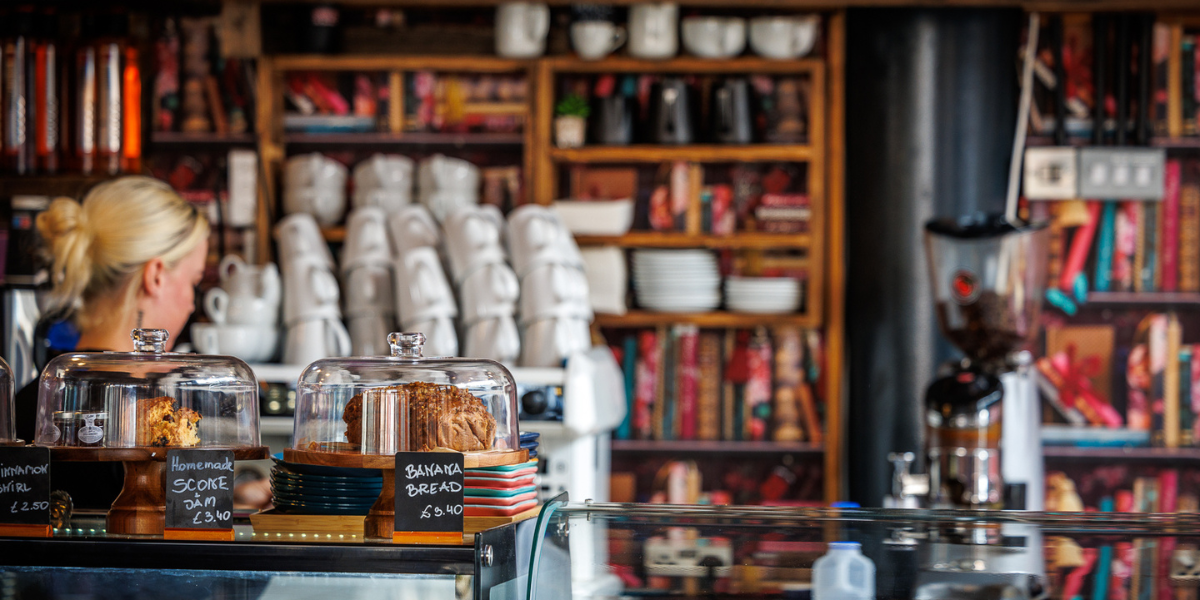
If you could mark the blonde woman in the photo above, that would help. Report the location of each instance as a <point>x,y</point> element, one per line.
<point>130,255</point>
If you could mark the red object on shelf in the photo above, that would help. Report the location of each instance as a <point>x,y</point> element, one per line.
<point>1081,245</point>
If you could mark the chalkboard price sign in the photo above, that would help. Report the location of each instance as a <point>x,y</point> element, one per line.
<point>429,492</point>
<point>25,486</point>
<point>199,489</point>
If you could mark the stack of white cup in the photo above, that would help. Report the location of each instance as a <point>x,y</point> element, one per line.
<point>244,311</point>
<point>315,184</point>
<point>487,287</point>
<point>445,184</point>
<point>310,305</point>
<point>367,281</point>
<point>424,301</point>
<point>555,310</point>
<point>384,180</point>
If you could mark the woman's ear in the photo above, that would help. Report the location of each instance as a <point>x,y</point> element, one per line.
<point>154,279</point>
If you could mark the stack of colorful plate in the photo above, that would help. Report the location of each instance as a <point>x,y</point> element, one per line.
<point>500,491</point>
<point>319,490</point>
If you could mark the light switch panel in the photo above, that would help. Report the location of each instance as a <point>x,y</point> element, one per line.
<point>1121,173</point>
<point>1050,173</point>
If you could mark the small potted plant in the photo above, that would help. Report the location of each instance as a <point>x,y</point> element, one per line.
<point>571,122</point>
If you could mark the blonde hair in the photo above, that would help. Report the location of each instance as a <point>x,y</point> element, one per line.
<point>99,248</point>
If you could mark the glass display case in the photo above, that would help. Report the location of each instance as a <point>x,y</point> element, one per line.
<point>8,427</point>
<point>381,405</point>
<point>588,550</point>
<point>147,398</point>
<point>132,407</point>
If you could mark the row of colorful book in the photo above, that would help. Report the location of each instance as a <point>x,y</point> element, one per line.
<point>1131,246</point>
<point>687,383</point>
<point>1151,385</point>
<point>1141,568</point>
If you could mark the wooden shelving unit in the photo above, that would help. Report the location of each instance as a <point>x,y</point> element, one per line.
<point>455,140</point>
<point>179,138</point>
<point>1149,299</point>
<point>820,248</point>
<point>1164,455</point>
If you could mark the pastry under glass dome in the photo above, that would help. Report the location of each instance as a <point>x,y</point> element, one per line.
<point>147,398</point>
<point>381,405</point>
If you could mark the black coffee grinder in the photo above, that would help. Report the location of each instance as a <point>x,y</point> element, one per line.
<point>988,279</point>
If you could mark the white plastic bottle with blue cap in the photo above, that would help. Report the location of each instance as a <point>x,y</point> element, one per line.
<point>843,574</point>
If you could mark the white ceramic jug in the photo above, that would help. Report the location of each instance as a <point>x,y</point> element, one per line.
<point>521,29</point>
<point>653,30</point>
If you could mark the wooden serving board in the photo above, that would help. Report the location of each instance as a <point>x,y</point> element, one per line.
<point>471,460</point>
<point>319,528</point>
<point>143,453</point>
<point>472,525</point>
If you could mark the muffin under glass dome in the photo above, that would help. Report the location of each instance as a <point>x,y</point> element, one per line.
<point>381,405</point>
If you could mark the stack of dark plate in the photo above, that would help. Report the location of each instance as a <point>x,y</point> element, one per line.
<point>319,490</point>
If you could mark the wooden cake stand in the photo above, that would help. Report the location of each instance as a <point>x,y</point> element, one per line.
<point>381,520</point>
<point>141,508</point>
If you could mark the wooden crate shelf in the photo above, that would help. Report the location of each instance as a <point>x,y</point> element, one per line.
<point>659,239</point>
<point>714,319</point>
<point>693,152</point>
<point>713,447</point>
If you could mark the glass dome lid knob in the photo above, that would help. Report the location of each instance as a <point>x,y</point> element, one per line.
<point>150,340</point>
<point>406,345</point>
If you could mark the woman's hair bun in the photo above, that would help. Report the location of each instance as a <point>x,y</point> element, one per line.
<point>64,229</point>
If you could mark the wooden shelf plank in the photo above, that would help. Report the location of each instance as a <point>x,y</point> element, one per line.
<point>405,139</point>
<point>713,447</point>
<point>1143,298</point>
<point>1083,142</point>
<point>685,64</point>
<point>335,234</point>
<point>466,64</point>
<point>208,139</point>
<point>1122,453</point>
<point>715,319</point>
<point>695,152</point>
<point>659,239</point>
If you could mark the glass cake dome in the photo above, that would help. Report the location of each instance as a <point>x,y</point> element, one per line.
<point>8,427</point>
<point>406,403</point>
<point>147,398</point>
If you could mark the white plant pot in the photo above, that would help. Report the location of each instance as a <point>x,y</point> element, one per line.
<point>569,131</point>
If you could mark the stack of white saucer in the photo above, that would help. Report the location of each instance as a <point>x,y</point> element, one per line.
<point>676,280</point>
<point>762,295</point>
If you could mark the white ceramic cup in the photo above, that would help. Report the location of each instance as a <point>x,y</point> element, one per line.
<point>383,180</point>
<point>783,38</point>
<point>547,342</point>
<point>496,339</point>
<point>311,291</point>
<point>422,291</point>
<point>593,40</point>
<point>521,29</point>
<point>536,236</point>
<point>368,290</point>
<point>473,239</point>
<point>313,339</point>
<point>368,335</point>
<point>411,227</point>
<point>714,37</point>
<point>366,239</point>
<point>440,337</point>
<point>240,279</point>
<point>491,291</point>
<point>224,308</point>
<point>251,343</point>
<point>653,30</point>
<point>299,236</point>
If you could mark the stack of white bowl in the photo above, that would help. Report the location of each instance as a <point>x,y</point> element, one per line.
<point>676,280</point>
<point>424,301</point>
<point>310,301</point>
<point>487,287</point>
<point>384,180</point>
<point>244,311</point>
<point>367,281</point>
<point>315,184</point>
<point>762,295</point>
